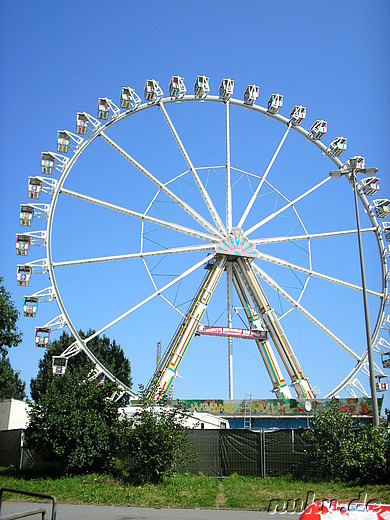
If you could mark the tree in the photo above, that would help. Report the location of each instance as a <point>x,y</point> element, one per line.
<point>73,422</point>
<point>156,441</point>
<point>9,315</point>
<point>11,386</point>
<point>109,353</point>
<point>75,425</point>
<point>347,451</point>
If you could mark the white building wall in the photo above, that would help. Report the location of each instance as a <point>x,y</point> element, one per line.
<point>13,414</point>
<point>195,420</point>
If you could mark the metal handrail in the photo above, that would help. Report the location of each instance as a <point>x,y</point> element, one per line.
<point>25,514</point>
<point>32,512</point>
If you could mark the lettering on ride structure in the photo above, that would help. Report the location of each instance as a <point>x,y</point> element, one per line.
<point>229,332</point>
<point>278,407</point>
<point>214,407</point>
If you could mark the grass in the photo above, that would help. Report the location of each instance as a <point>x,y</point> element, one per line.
<point>187,491</point>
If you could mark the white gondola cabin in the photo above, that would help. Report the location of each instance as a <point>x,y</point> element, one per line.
<point>30,306</point>
<point>26,215</point>
<point>386,230</point>
<point>338,146</point>
<point>385,359</point>
<point>318,130</point>
<point>382,383</point>
<point>59,365</point>
<point>226,89</point>
<point>382,207</point>
<point>34,187</point>
<point>47,163</point>
<point>22,245</point>
<point>81,123</point>
<point>370,185</point>
<point>129,98</point>
<point>177,88</point>
<point>251,94</point>
<point>298,114</point>
<point>275,103</point>
<point>359,162</point>
<point>63,141</point>
<point>152,91</point>
<point>42,336</point>
<point>103,109</point>
<point>23,275</point>
<point>202,87</point>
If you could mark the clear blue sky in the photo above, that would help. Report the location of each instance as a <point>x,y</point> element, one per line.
<point>58,58</point>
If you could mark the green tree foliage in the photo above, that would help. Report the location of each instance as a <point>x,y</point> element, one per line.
<point>107,351</point>
<point>73,422</point>
<point>156,442</point>
<point>11,386</point>
<point>346,451</point>
<point>9,315</point>
<point>75,425</point>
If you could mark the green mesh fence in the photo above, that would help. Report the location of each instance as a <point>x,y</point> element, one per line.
<point>206,446</point>
<point>219,453</point>
<point>261,453</point>
<point>278,453</point>
<point>10,446</point>
<point>240,453</point>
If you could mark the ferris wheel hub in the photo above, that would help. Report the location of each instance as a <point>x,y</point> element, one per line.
<point>236,245</point>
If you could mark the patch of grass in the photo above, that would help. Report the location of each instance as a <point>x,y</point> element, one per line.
<point>187,491</point>
<point>254,493</point>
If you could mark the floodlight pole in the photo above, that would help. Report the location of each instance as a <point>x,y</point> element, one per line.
<point>353,171</point>
<point>374,402</point>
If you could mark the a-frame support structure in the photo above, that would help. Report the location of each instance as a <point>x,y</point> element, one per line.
<point>260,316</point>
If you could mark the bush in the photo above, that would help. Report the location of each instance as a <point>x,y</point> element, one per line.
<point>75,425</point>
<point>346,451</point>
<point>157,443</point>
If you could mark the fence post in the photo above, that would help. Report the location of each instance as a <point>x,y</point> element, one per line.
<point>21,449</point>
<point>263,448</point>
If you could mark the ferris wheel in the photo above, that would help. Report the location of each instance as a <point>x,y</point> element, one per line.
<point>217,215</point>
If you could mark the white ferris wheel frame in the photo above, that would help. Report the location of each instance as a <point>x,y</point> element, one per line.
<point>211,233</point>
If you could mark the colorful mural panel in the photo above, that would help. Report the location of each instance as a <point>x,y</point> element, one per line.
<point>279,407</point>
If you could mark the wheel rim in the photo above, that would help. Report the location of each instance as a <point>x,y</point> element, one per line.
<point>350,375</point>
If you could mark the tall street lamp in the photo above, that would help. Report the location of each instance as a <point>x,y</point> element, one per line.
<point>352,169</point>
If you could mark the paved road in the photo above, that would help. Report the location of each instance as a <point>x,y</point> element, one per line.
<point>73,512</point>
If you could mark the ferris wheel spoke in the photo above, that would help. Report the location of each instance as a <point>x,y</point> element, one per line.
<point>276,287</point>
<point>287,206</point>
<point>256,192</point>
<point>315,274</point>
<point>161,186</point>
<point>309,236</point>
<point>163,223</point>
<point>206,197</point>
<point>228,173</point>
<point>131,256</point>
<point>229,301</point>
<point>158,292</point>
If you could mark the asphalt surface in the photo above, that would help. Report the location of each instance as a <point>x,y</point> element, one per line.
<point>75,512</point>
